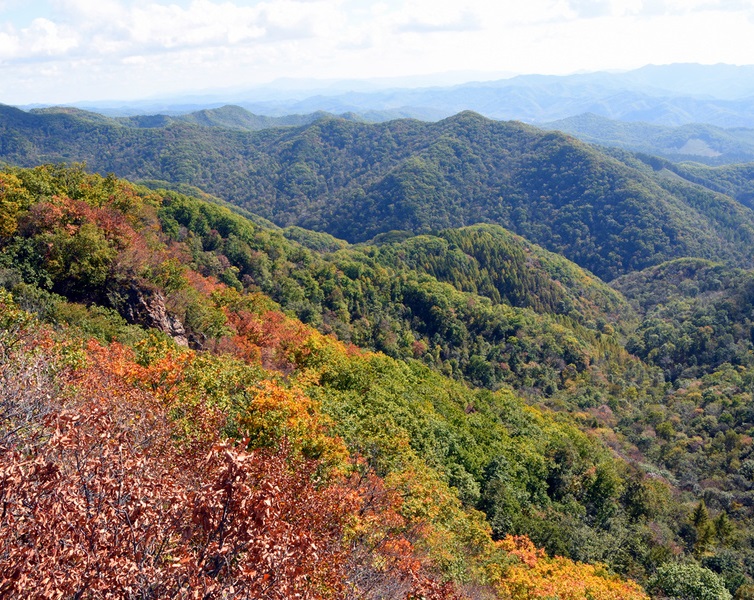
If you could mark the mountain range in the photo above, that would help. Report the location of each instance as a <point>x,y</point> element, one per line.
<point>671,95</point>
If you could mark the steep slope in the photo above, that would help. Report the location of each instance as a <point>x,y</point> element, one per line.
<point>736,181</point>
<point>376,470</point>
<point>653,479</point>
<point>696,316</point>
<point>540,322</point>
<point>697,323</point>
<point>490,261</point>
<point>357,180</point>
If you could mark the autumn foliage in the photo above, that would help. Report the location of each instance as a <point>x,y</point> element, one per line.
<point>151,470</point>
<point>103,497</point>
<point>100,499</point>
<point>535,576</point>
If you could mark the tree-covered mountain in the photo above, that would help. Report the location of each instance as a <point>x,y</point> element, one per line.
<point>357,180</point>
<point>733,180</point>
<point>692,142</point>
<point>696,324</point>
<point>228,117</point>
<point>696,316</point>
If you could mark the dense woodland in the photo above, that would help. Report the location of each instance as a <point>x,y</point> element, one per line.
<point>356,180</point>
<point>697,142</point>
<point>195,398</point>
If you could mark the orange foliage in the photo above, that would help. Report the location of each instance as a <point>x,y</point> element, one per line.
<point>383,563</point>
<point>275,413</point>
<point>112,495</point>
<point>161,374</point>
<point>270,337</point>
<point>204,285</point>
<point>67,214</point>
<point>102,500</point>
<point>103,503</point>
<point>97,512</point>
<point>535,576</point>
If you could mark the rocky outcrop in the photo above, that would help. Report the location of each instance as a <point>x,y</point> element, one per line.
<point>147,308</point>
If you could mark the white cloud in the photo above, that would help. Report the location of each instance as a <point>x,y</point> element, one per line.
<point>129,48</point>
<point>47,38</point>
<point>135,60</point>
<point>43,39</point>
<point>8,45</point>
<point>651,8</point>
<point>89,12</point>
<point>105,27</point>
<point>466,21</point>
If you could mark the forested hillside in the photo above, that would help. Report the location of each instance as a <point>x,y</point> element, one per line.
<point>357,180</point>
<point>266,459</point>
<point>274,411</point>
<point>698,142</point>
<point>229,117</point>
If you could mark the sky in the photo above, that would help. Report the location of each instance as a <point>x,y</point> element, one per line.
<point>58,51</point>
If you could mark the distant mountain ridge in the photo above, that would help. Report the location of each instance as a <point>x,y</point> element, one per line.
<point>531,101</point>
<point>671,95</point>
<point>696,142</point>
<point>703,143</point>
<point>229,117</point>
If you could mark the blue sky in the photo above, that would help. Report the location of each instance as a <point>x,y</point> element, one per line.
<point>57,51</point>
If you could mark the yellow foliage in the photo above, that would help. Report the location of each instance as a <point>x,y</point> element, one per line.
<point>278,412</point>
<point>13,197</point>
<point>537,577</point>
